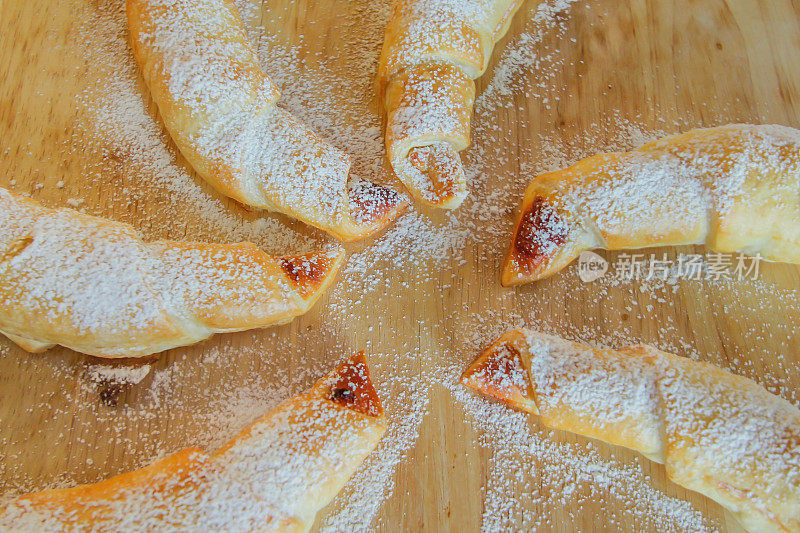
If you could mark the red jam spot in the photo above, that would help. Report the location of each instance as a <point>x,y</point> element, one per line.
<point>540,232</point>
<point>351,387</point>
<point>306,271</point>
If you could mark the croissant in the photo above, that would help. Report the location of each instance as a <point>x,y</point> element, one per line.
<point>275,475</point>
<point>220,109</point>
<point>92,285</point>
<point>719,434</point>
<point>734,188</point>
<point>432,52</point>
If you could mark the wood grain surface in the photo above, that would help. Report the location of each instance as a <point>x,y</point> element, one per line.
<point>609,74</point>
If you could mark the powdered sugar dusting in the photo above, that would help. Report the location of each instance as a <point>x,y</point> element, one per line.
<point>122,128</point>
<point>269,475</point>
<point>219,107</point>
<point>718,173</point>
<point>570,474</point>
<point>388,295</point>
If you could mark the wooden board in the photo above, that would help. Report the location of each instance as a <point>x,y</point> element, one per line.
<point>78,128</point>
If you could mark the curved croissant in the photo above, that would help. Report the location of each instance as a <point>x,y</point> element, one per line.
<point>734,188</point>
<point>220,109</point>
<point>276,475</point>
<point>93,285</point>
<point>717,433</point>
<point>432,52</point>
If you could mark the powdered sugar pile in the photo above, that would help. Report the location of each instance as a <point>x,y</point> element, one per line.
<point>118,374</point>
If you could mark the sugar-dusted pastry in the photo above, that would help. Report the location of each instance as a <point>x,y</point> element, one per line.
<point>220,109</point>
<point>432,52</point>
<point>716,433</point>
<point>93,285</point>
<point>274,476</point>
<point>733,188</point>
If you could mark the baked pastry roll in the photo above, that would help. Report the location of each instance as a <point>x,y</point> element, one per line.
<point>94,286</point>
<point>734,188</point>
<point>274,476</point>
<point>716,433</point>
<point>432,52</point>
<point>220,109</point>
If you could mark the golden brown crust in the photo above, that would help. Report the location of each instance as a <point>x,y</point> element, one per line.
<point>292,462</point>
<point>93,285</point>
<point>733,188</point>
<point>220,109</point>
<point>85,504</point>
<point>719,434</point>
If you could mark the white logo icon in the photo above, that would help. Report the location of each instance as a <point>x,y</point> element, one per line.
<point>591,266</point>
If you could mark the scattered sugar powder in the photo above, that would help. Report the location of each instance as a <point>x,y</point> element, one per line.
<point>356,507</point>
<point>433,253</point>
<point>130,139</point>
<point>567,474</point>
<point>525,55</point>
<point>335,100</point>
<point>99,279</point>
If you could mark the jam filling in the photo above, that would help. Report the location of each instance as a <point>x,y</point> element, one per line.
<point>540,232</point>
<point>306,271</point>
<point>351,387</point>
